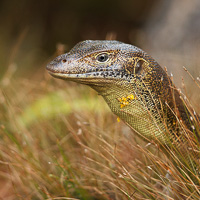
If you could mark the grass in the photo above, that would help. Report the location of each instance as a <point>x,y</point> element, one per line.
<point>60,141</point>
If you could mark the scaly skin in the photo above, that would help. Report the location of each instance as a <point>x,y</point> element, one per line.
<point>132,83</point>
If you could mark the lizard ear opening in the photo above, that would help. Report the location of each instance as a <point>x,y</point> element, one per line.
<point>135,66</point>
<point>138,66</point>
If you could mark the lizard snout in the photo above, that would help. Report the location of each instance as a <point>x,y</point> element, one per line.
<point>57,64</point>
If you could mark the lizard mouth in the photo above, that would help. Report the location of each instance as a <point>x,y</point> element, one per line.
<point>92,78</point>
<point>104,73</point>
<point>87,75</point>
<point>70,73</point>
<point>54,69</point>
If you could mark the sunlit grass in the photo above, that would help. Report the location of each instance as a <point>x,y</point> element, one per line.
<point>60,141</point>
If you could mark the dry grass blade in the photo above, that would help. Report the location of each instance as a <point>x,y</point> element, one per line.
<point>85,153</point>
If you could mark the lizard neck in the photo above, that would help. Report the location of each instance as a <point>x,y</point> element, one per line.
<point>123,102</point>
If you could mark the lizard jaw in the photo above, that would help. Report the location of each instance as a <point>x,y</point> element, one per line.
<point>79,77</point>
<point>104,74</point>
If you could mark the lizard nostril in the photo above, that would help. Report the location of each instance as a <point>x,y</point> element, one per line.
<point>64,60</point>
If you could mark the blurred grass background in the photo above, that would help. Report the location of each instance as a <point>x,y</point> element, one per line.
<point>30,32</point>
<point>60,141</point>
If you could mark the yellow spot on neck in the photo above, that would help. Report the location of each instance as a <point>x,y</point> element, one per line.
<point>124,101</point>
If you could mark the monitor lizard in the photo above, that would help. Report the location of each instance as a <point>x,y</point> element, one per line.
<point>135,87</point>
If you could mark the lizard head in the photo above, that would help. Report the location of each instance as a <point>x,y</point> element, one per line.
<point>132,83</point>
<point>92,60</point>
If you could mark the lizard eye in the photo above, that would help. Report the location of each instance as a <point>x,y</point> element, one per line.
<point>102,57</point>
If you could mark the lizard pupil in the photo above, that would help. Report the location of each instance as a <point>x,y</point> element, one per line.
<point>102,58</point>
